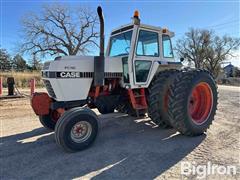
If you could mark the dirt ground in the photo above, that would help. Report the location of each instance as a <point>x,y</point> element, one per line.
<point>126,148</point>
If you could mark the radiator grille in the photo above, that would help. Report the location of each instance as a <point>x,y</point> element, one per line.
<point>113,75</point>
<point>49,88</point>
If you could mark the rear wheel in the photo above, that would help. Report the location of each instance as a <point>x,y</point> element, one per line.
<point>76,130</point>
<point>192,102</point>
<point>126,107</point>
<point>49,121</point>
<point>106,104</point>
<point>158,97</point>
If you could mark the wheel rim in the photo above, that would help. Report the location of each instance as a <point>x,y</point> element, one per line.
<point>200,103</point>
<point>81,131</point>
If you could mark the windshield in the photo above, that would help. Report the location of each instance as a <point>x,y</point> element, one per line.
<point>120,44</point>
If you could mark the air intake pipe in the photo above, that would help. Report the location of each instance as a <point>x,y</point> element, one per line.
<point>99,60</point>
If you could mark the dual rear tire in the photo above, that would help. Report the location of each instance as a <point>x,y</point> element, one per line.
<point>185,100</point>
<point>158,97</point>
<point>192,102</point>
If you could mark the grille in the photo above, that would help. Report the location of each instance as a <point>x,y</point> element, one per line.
<point>49,88</point>
<point>113,75</point>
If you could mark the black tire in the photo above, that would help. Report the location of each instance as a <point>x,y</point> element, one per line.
<point>180,113</point>
<point>158,92</point>
<point>126,107</point>
<point>104,105</point>
<point>47,122</point>
<point>64,129</point>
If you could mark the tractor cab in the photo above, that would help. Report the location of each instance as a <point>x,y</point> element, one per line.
<point>140,48</point>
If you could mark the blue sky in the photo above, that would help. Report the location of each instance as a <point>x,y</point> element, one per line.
<point>178,16</point>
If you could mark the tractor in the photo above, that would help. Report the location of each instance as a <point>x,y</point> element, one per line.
<point>137,75</point>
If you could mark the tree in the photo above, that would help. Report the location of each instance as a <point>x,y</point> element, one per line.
<point>5,60</point>
<point>194,45</point>
<point>35,63</point>
<point>206,49</point>
<point>19,64</point>
<point>220,50</point>
<point>60,31</point>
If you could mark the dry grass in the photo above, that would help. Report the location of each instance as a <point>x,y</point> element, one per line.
<point>22,78</point>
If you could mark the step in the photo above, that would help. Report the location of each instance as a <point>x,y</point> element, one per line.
<point>138,107</point>
<point>137,96</point>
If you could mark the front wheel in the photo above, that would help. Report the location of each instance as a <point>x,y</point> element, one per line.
<point>192,102</point>
<point>76,130</point>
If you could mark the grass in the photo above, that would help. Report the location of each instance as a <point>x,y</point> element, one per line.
<point>22,78</point>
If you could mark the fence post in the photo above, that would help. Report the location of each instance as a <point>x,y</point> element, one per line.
<point>1,86</point>
<point>10,83</point>
<point>32,86</point>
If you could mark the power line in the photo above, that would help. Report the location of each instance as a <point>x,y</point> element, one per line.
<point>230,22</point>
<point>233,22</point>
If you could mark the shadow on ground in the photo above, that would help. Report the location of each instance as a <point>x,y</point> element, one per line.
<point>126,148</point>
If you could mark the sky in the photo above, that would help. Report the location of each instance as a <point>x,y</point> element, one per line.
<point>178,16</point>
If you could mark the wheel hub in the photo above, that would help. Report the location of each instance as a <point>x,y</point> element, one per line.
<point>200,103</point>
<point>81,131</point>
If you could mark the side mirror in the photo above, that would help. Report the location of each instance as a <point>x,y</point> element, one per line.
<point>181,59</point>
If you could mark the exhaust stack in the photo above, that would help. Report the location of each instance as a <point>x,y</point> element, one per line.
<point>101,19</point>
<point>99,60</point>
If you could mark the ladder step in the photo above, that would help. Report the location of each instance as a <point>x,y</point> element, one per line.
<point>138,107</point>
<point>137,96</point>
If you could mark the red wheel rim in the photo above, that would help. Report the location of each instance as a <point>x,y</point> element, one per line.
<point>200,103</point>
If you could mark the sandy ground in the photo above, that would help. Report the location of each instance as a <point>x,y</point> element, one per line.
<point>126,148</point>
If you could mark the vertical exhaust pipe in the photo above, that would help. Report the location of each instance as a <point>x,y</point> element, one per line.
<point>99,60</point>
<point>101,20</point>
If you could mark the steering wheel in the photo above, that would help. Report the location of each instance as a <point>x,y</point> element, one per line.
<point>127,49</point>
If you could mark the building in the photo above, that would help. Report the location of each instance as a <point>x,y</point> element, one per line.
<point>228,70</point>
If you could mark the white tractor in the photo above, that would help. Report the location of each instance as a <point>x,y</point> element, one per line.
<point>137,75</point>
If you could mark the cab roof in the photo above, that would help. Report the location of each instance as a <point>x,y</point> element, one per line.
<point>131,25</point>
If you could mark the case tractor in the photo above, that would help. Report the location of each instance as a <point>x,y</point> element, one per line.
<point>137,75</point>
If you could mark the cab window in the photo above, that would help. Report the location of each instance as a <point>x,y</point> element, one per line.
<point>147,44</point>
<point>167,47</point>
<point>120,44</point>
<point>142,70</point>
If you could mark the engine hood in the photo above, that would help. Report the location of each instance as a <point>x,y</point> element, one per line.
<point>82,64</point>
<point>70,63</point>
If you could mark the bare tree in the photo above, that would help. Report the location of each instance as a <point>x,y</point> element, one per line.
<point>60,30</point>
<point>221,49</point>
<point>206,50</point>
<point>193,46</point>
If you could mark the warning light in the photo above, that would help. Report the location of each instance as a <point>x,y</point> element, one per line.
<point>165,30</point>
<point>136,14</point>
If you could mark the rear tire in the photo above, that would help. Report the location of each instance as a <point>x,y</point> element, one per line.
<point>105,104</point>
<point>126,107</point>
<point>192,102</point>
<point>158,97</point>
<point>76,130</point>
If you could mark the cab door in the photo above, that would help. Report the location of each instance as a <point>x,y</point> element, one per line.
<point>147,52</point>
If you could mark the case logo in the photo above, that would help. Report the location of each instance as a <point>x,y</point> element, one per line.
<point>69,74</point>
